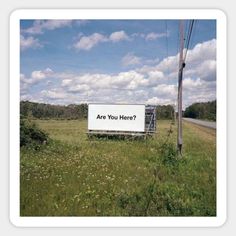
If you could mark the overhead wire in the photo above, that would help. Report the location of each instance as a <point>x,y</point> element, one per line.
<point>167,47</point>
<point>188,39</point>
<point>193,34</point>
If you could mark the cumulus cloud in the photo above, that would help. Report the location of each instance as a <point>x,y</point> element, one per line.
<point>53,94</point>
<point>39,26</point>
<point>190,84</point>
<point>205,69</point>
<point>166,90</point>
<point>121,87</point>
<point>118,36</point>
<point>202,51</point>
<point>130,59</point>
<point>155,74</point>
<point>201,62</point>
<point>79,88</point>
<point>198,90</point>
<point>159,101</point>
<point>36,77</point>
<point>29,42</point>
<point>88,42</point>
<point>150,84</point>
<point>66,82</point>
<point>153,36</point>
<point>41,74</point>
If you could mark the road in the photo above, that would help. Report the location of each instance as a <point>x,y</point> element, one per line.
<point>208,124</point>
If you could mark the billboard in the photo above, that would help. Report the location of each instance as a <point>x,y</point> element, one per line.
<point>116,117</point>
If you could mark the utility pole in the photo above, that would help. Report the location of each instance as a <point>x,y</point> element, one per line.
<point>180,76</point>
<point>174,115</point>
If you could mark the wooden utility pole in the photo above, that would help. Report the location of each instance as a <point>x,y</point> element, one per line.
<point>180,76</point>
<point>174,116</point>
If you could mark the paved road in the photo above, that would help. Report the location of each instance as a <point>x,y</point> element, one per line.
<point>209,124</point>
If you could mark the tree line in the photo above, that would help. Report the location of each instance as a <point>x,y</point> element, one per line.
<point>48,111</point>
<point>203,110</point>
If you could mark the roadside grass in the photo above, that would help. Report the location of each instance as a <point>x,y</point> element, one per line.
<point>77,176</point>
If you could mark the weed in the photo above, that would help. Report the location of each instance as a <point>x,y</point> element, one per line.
<point>169,154</point>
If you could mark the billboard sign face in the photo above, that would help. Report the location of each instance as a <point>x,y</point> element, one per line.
<point>116,117</point>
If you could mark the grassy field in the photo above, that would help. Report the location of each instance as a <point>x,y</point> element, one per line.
<point>77,176</point>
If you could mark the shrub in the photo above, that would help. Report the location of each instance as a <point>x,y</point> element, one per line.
<point>169,154</point>
<point>30,134</point>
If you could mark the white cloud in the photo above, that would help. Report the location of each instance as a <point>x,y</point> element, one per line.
<point>198,90</point>
<point>53,94</point>
<point>66,82</point>
<point>205,69</point>
<point>155,74</point>
<point>125,87</point>
<point>39,26</point>
<point>39,74</point>
<point>141,35</point>
<point>202,51</point>
<point>153,36</point>
<point>169,64</point>
<point>201,62</point>
<point>79,88</point>
<point>166,90</point>
<point>130,80</point>
<point>36,77</point>
<point>190,84</point>
<point>130,59</point>
<point>118,36</point>
<point>159,101</point>
<point>29,42</point>
<point>88,42</point>
<point>150,84</point>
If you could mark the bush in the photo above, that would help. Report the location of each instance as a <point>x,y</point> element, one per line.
<point>169,154</point>
<point>30,134</point>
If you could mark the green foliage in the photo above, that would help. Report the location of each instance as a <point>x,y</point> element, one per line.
<point>205,111</point>
<point>48,111</point>
<point>169,154</point>
<point>72,111</point>
<point>30,134</point>
<point>165,112</point>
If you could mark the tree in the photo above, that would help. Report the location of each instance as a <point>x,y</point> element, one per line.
<point>206,111</point>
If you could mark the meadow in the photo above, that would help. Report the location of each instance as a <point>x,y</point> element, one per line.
<point>73,175</point>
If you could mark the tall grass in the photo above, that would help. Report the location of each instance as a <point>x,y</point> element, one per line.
<point>77,176</point>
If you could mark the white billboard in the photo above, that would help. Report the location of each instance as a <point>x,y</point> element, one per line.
<point>116,117</point>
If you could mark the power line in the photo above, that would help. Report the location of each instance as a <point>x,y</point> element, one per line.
<point>180,82</point>
<point>193,33</point>
<point>167,48</point>
<point>190,29</point>
<point>182,60</point>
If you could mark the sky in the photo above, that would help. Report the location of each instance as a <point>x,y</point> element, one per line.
<point>115,61</point>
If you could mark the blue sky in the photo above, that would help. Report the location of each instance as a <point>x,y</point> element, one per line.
<point>128,61</point>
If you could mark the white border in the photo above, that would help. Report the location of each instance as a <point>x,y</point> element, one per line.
<point>15,218</point>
